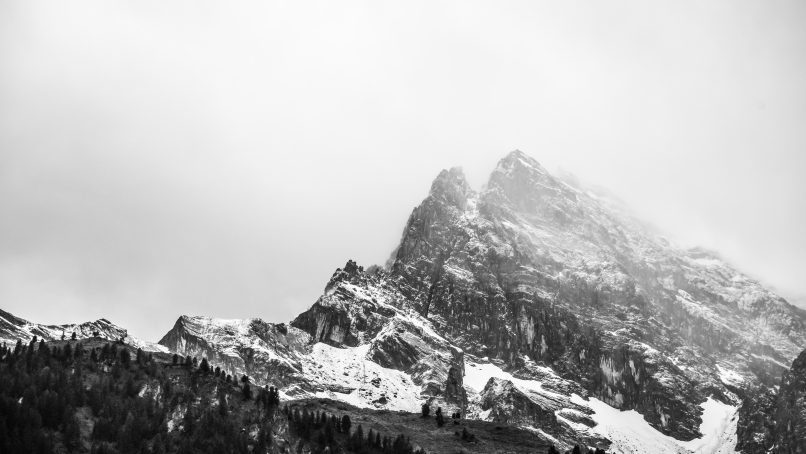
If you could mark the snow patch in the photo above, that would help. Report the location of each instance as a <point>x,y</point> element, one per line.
<point>346,375</point>
<point>632,434</point>
<point>729,377</point>
<point>478,374</point>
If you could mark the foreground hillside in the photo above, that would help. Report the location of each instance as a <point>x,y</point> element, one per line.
<point>108,397</point>
<point>95,396</point>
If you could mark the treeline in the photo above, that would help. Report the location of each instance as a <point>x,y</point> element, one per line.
<point>329,434</point>
<point>106,398</point>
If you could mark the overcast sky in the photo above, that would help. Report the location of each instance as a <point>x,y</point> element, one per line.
<point>223,158</point>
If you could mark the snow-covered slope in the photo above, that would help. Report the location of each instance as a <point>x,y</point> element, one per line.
<point>13,328</point>
<point>359,343</point>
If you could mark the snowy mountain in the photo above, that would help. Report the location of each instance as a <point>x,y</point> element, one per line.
<point>533,302</point>
<point>13,328</point>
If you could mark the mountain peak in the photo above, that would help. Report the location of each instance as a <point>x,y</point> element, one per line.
<point>519,160</point>
<point>522,181</point>
<point>451,186</point>
<point>519,167</point>
<point>453,177</point>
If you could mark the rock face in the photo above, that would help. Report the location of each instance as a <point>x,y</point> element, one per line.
<point>774,420</point>
<point>508,404</point>
<point>266,352</point>
<point>13,328</point>
<point>790,411</point>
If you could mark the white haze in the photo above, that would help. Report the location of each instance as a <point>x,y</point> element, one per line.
<point>223,158</point>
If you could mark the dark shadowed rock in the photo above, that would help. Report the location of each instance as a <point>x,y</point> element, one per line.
<point>790,411</point>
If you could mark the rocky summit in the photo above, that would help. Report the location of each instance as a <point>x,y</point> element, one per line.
<point>538,303</point>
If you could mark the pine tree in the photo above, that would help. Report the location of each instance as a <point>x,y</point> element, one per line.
<point>345,424</point>
<point>358,438</point>
<point>440,419</point>
<point>67,353</point>
<point>125,357</point>
<point>222,405</point>
<point>43,351</point>
<point>78,353</point>
<point>72,433</point>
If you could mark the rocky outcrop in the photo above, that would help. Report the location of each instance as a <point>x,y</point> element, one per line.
<point>774,419</point>
<point>455,394</point>
<point>348,313</point>
<point>509,405</point>
<point>504,403</point>
<point>268,353</point>
<point>756,426</point>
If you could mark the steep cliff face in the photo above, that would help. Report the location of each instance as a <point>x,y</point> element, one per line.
<point>774,419</point>
<point>790,411</point>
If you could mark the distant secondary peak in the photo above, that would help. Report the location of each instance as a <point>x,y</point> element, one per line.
<point>351,273</point>
<point>451,185</point>
<point>454,177</point>
<point>352,268</point>
<point>522,181</point>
